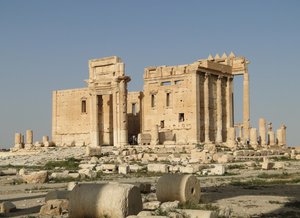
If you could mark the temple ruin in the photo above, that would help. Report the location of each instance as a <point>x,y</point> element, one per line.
<point>180,105</point>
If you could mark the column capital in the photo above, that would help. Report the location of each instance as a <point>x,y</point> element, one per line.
<point>220,77</point>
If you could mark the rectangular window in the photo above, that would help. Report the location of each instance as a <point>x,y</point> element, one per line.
<point>133,108</point>
<point>162,124</point>
<point>83,106</point>
<point>153,101</point>
<point>181,117</point>
<point>166,83</point>
<point>168,99</point>
<point>177,82</point>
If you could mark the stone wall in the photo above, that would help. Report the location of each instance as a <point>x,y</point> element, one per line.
<point>70,117</point>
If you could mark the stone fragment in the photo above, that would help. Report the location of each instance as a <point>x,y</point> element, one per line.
<point>54,207</point>
<point>168,206</point>
<point>87,173</point>
<point>36,177</point>
<point>199,213</point>
<point>176,187</point>
<point>123,169</point>
<point>93,151</point>
<point>112,200</point>
<point>57,194</point>
<point>266,165</point>
<point>71,185</point>
<point>218,169</point>
<point>152,205</point>
<point>7,207</point>
<point>158,168</point>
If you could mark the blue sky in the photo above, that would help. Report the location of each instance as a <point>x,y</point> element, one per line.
<point>46,45</point>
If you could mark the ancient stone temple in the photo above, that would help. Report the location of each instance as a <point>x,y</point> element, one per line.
<point>185,104</point>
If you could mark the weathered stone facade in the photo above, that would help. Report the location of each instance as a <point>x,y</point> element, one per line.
<point>185,104</point>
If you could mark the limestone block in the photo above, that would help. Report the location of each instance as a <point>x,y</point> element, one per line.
<point>279,165</point>
<point>112,200</point>
<point>87,166</point>
<point>135,168</point>
<point>219,169</point>
<point>174,169</point>
<point>36,177</point>
<point>144,213</point>
<point>57,194</point>
<point>189,169</point>
<point>152,205</point>
<point>144,139</point>
<point>71,185</point>
<point>238,153</point>
<point>199,213</point>
<point>183,188</point>
<point>7,207</point>
<point>94,160</point>
<point>54,207</point>
<point>168,206</point>
<point>109,168</point>
<point>87,173</point>
<point>93,151</point>
<point>267,165</point>
<point>226,158</point>
<point>74,175</point>
<point>158,168</point>
<point>8,172</point>
<point>123,169</point>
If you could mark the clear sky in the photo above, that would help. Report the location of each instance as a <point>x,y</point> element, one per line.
<point>46,45</point>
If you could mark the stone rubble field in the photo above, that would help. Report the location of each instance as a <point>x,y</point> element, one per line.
<point>160,181</point>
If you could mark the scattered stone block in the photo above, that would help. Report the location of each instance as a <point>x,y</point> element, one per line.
<point>158,168</point>
<point>57,194</point>
<point>218,169</point>
<point>36,177</point>
<point>123,169</point>
<point>199,213</point>
<point>87,173</point>
<point>177,187</point>
<point>7,207</point>
<point>112,200</point>
<point>93,151</point>
<point>54,207</point>
<point>267,165</point>
<point>168,206</point>
<point>135,168</point>
<point>152,205</point>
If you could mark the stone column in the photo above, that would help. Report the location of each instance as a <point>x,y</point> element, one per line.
<point>283,129</point>
<point>155,135</point>
<point>219,110</point>
<point>253,137</point>
<point>45,139</point>
<point>246,106</point>
<point>115,118</point>
<point>94,126</point>
<point>279,137</point>
<point>18,138</point>
<point>123,112</point>
<point>262,131</point>
<point>18,141</point>
<point>231,137</point>
<point>206,108</point>
<point>29,137</point>
<point>271,138</point>
<point>229,120</point>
